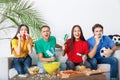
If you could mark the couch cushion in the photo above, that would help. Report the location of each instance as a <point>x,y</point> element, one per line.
<point>33,55</point>
<point>106,66</point>
<point>59,56</point>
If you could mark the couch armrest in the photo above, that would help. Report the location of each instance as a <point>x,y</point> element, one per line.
<point>4,66</point>
<point>117,55</point>
<point>10,62</point>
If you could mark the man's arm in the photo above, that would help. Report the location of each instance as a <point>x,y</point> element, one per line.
<point>92,53</point>
<point>58,46</point>
<point>114,48</point>
<point>42,59</point>
<point>62,47</point>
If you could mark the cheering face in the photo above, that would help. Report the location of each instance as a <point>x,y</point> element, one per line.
<point>45,33</point>
<point>23,31</point>
<point>98,32</point>
<point>76,33</point>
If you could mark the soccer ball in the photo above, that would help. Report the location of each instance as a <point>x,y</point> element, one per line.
<point>103,50</point>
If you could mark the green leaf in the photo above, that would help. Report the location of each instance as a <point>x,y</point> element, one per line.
<point>19,12</point>
<point>8,1</point>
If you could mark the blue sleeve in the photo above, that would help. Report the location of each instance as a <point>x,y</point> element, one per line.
<point>110,42</point>
<point>91,43</point>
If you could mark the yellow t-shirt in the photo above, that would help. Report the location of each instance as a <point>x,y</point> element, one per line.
<point>24,48</point>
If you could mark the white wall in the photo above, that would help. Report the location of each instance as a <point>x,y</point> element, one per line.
<point>61,15</point>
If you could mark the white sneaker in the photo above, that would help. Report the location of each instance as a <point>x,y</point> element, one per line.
<point>23,75</point>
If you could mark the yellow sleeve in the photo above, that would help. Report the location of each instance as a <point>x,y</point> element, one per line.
<point>14,43</point>
<point>31,42</point>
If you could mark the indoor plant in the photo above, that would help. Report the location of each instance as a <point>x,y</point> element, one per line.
<point>16,12</point>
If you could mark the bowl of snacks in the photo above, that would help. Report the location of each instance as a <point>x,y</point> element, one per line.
<point>51,67</point>
<point>33,70</point>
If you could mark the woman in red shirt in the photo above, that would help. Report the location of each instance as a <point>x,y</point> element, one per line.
<point>76,49</point>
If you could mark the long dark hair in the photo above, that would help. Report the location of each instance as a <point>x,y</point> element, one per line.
<point>73,38</point>
<point>18,31</point>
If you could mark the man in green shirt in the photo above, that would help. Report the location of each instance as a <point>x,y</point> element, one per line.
<point>45,47</point>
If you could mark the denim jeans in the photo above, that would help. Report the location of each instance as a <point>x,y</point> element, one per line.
<point>109,60</point>
<point>71,65</point>
<point>40,65</point>
<point>22,64</point>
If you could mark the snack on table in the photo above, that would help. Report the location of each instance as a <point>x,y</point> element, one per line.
<point>80,68</point>
<point>88,71</point>
<point>98,71</point>
<point>33,70</point>
<point>69,73</point>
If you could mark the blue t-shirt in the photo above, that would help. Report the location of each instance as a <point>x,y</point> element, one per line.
<point>104,42</point>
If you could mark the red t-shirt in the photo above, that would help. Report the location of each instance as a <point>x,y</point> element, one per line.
<point>79,47</point>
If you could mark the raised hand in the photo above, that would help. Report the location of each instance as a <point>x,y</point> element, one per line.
<point>97,39</point>
<point>84,57</point>
<point>27,36</point>
<point>18,35</point>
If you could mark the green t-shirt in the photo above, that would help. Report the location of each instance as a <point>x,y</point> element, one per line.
<point>46,47</point>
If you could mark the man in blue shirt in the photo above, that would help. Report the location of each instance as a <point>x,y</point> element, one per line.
<point>97,42</point>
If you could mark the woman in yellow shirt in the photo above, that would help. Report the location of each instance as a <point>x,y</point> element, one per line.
<point>21,47</point>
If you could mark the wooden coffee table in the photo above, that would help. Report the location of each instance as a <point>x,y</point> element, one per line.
<point>54,77</point>
<point>38,76</point>
<point>92,77</point>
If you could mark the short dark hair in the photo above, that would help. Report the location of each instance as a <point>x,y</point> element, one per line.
<point>44,27</point>
<point>97,26</point>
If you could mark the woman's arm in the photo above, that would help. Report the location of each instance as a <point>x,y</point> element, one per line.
<point>29,43</point>
<point>18,48</point>
<point>29,48</point>
<point>63,50</point>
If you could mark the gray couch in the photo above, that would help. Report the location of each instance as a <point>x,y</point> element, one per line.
<point>8,72</point>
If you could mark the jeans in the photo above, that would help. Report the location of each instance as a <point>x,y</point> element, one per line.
<point>22,64</point>
<point>109,60</point>
<point>62,66</point>
<point>40,65</point>
<point>71,65</point>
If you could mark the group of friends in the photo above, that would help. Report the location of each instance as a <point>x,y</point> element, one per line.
<point>79,51</point>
